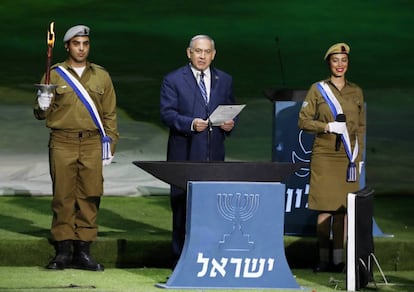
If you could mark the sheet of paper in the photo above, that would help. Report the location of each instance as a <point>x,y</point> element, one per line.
<point>224,113</point>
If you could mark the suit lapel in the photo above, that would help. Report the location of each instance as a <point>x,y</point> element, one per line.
<point>214,85</point>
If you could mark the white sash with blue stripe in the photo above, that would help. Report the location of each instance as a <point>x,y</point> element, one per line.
<point>336,109</point>
<point>90,106</point>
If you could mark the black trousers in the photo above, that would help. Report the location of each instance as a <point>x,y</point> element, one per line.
<point>178,201</point>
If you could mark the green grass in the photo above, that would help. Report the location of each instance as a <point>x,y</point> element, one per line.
<point>134,244</point>
<point>148,218</point>
<point>135,232</point>
<point>145,279</point>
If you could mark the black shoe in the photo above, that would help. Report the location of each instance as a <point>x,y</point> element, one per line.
<point>82,259</point>
<point>60,262</point>
<point>338,268</point>
<point>322,267</point>
<point>63,258</point>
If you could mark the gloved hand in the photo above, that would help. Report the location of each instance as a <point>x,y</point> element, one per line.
<point>107,161</point>
<point>44,99</point>
<point>337,127</point>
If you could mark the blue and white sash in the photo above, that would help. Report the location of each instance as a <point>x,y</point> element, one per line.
<point>336,109</point>
<point>90,106</point>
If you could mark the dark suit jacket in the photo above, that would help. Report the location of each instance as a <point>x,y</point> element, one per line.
<point>181,102</point>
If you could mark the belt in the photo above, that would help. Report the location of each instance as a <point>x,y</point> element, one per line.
<point>81,134</point>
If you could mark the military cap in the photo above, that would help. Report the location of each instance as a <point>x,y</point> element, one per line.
<point>77,30</point>
<point>339,48</point>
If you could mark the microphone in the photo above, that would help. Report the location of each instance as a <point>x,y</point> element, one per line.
<point>339,118</point>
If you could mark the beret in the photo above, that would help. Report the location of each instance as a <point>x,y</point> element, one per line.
<point>339,48</point>
<point>77,30</point>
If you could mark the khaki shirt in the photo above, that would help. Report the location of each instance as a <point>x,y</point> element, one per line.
<point>68,113</point>
<point>315,113</point>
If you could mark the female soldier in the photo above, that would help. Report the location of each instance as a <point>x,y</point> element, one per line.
<point>334,111</point>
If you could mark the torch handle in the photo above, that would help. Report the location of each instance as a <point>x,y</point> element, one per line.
<point>48,65</point>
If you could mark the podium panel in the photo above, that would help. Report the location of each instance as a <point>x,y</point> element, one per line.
<point>234,237</point>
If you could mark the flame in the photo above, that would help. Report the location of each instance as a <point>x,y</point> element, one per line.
<point>51,35</point>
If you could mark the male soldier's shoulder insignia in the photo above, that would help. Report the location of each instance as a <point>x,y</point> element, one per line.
<point>98,67</point>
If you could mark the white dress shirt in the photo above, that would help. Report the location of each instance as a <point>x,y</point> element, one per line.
<point>207,79</point>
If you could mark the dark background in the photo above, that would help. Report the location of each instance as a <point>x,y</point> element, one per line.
<point>263,44</point>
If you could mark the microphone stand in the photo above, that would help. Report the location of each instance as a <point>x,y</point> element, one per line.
<point>209,133</point>
<point>339,118</point>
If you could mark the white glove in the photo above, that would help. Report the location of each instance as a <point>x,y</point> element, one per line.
<point>107,161</point>
<point>44,99</point>
<point>337,127</point>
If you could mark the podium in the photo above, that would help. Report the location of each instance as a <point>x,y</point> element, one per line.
<point>179,173</point>
<point>235,222</point>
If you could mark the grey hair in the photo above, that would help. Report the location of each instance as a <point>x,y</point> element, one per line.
<point>200,36</point>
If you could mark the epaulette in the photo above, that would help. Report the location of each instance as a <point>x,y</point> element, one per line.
<point>99,67</point>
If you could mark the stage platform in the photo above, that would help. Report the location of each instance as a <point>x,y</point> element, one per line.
<point>135,232</point>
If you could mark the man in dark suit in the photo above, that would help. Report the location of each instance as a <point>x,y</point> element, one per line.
<point>188,96</point>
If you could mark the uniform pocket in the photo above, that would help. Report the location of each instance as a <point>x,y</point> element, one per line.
<point>64,95</point>
<point>63,89</point>
<point>96,89</point>
<point>96,92</point>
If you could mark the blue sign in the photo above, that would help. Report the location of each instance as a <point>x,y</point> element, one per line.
<point>290,144</point>
<point>234,238</point>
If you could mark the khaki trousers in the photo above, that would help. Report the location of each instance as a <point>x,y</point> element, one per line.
<point>76,170</point>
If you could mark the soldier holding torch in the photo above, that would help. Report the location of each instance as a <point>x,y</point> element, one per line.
<point>77,99</point>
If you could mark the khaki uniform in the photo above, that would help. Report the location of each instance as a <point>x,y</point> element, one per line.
<point>328,186</point>
<point>75,151</point>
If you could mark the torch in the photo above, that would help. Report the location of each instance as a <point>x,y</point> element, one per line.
<point>47,87</point>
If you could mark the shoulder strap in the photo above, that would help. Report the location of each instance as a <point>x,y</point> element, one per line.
<point>330,98</point>
<point>336,109</point>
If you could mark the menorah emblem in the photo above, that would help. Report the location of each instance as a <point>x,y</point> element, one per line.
<point>237,208</point>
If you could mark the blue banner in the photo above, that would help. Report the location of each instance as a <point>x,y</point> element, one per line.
<point>290,144</point>
<point>234,238</point>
